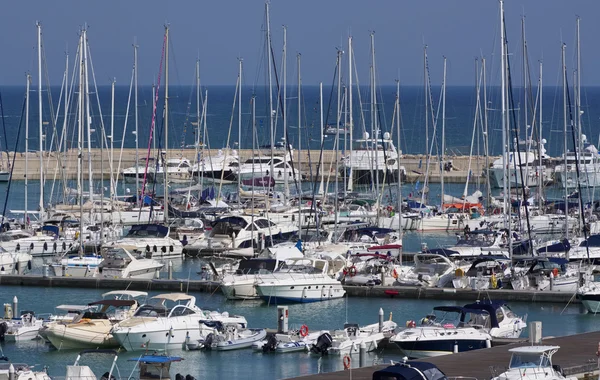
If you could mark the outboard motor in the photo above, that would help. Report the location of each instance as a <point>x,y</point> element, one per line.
<point>105,376</point>
<point>209,340</point>
<point>323,343</point>
<point>189,377</point>
<point>179,377</point>
<point>3,330</point>
<point>271,344</point>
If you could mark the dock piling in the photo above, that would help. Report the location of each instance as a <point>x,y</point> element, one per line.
<point>362,358</point>
<point>170,270</point>
<point>282,319</point>
<point>535,332</point>
<point>380,319</point>
<point>15,308</point>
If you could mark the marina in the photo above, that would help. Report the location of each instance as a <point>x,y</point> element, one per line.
<point>282,227</point>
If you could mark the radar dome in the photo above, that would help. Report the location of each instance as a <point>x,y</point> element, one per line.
<point>366,135</point>
<point>386,136</point>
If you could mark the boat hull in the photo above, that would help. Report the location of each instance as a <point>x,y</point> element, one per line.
<point>430,348</point>
<point>276,293</point>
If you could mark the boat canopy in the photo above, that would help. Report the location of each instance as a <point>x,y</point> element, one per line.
<point>115,303</point>
<point>148,230</point>
<point>174,297</point>
<point>129,293</point>
<point>232,220</point>
<point>410,371</point>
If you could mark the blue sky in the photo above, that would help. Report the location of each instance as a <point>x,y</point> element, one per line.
<point>220,31</point>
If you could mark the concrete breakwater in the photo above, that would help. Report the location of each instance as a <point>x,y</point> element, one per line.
<point>65,165</point>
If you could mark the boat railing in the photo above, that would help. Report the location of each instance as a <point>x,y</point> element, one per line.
<point>461,378</point>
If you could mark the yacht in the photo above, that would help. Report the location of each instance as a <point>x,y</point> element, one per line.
<point>260,166</point>
<point>218,168</point>
<point>552,273</point>
<point>44,242</point>
<point>430,270</point>
<point>372,159</point>
<point>92,329</point>
<point>24,328</point>
<point>139,171</point>
<point>152,239</point>
<point>589,295</point>
<point>587,163</point>
<point>240,285</point>
<point>238,235</point>
<point>168,321</point>
<point>301,280</point>
<point>485,273</point>
<point>469,328</point>
<point>533,363</point>
<point>527,167</point>
<point>14,262</point>
<point>349,340</point>
<point>120,263</point>
<point>177,170</point>
<point>76,265</point>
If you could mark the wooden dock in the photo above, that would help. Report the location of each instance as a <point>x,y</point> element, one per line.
<point>400,292</point>
<point>577,357</point>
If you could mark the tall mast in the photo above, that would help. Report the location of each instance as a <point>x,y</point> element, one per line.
<point>80,138</point>
<point>321,189</point>
<point>135,89</point>
<point>337,134</point>
<point>399,195</point>
<point>298,57</point>
<point>41,124</point>
<point>504,119</point>
<point>349,185</point>
<point>564,78</point>
<point>199,156</point>
<point>578,94</point>
<point>485,133</point>
<point>285,141</point>
<point>165,171</point>
<point>112,131</point>
<point>240,61</point>
<point>525,86</point>
<point>270,68</point>
<point>443,132</point>
<point>88,117</point>
<point>374,126</point>
<point>540,153</point>
<point>25,215</point>
<point>426,91</point>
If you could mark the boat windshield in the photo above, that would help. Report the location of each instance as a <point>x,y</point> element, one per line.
<point>152,311</point>
<point>529,360</point>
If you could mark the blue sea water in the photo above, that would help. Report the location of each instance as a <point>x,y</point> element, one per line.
<point>460,114</point>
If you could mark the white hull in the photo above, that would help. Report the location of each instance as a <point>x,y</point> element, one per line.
<point>81,336</point>
<point>290,292</point>
<point>444,222</point>
<point>240,290</point>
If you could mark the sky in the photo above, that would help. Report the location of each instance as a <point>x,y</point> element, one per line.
<point>218,32</point>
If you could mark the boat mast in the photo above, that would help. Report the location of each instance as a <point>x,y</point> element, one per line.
<point>578,93</point>
<point>506,159</point>
<point>240,61</point>
<point>135,89</point>
<point>270,68</point>
<point>165,171</point>
<point>80,139</point>
<point>40,120</point>
<point>112,133</point>
<point>565,182</point>
<point>485,133</point>
<point>337,136</point>
<point>350,185</point>
<point>426,91</point>
<point>88,118</point>
<point>540,153</point>
<point>374,125</point>
<point>25,215</point>
<point>321,186</point>
<point>286,185</point>
<point>443,134</point>
<point>399,195</point>
<point>298,57</point>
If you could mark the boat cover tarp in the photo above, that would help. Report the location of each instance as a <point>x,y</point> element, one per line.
<point>410,371</point>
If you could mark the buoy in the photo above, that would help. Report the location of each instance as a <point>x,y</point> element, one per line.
<point>347,362</point>
<point>303,331</point>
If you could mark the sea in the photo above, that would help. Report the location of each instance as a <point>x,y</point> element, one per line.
<point>461,125</point>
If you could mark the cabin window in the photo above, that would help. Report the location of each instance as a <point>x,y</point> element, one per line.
<point>525,360</point>
<point>499,315</point>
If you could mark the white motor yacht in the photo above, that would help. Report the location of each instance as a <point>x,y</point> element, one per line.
<point>349,340</point>
<point>24,328</point>
<point>472,327</point>
<point>589,295</point>
<point>260,166</point>
<point>240,285</point>
<point>151,239</point>
<point>220,168</point>
<point>302,280</point>
<point>533,363</point>
<point>430,270</point>
<point>121,263</point>
<point>177,169</point>
<point>168,321</point>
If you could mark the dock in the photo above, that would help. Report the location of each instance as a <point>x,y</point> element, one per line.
<point>184,285</point>
<point>65,164</point>
<point>576,356</point>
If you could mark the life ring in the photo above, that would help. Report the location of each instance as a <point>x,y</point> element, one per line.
<point>303,331</point>
<point>347,362</point>
<point>555,272</point>
<point>352,271</point>
<point>395,274</point>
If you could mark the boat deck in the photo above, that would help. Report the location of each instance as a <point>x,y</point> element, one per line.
<point>577,357</point>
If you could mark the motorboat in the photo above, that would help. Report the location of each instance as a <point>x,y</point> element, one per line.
<point>551,273</point>
<point>533,363</point>
<point>21,371</point>
<point>217,168</point>
<point>26,327</point>
<point>168,321</point>
<point>156,366</point>
<point>301,280</point>
<point>261,166</point>
<point>121,263</point>
<point>44,242</point>
<point>589,295</point>
<point>582,167</point>
<point>75,265</point>
<point>78,371</point>
<point>240,285</point>
<point>430,270</point>
<point>524,168</point>
<point>459,329</point>
<point>143,170</point>
<point>176,169</point>
<point>152,239</point>
<point>226,337</point>
<point>238,235</point>
<point>14,262</point>
<point>410,370</point>
<point>372,159</point>
<point>349,340</point>
<point>295,340</point>
<point>93,328</point>
<point>485,273</point>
